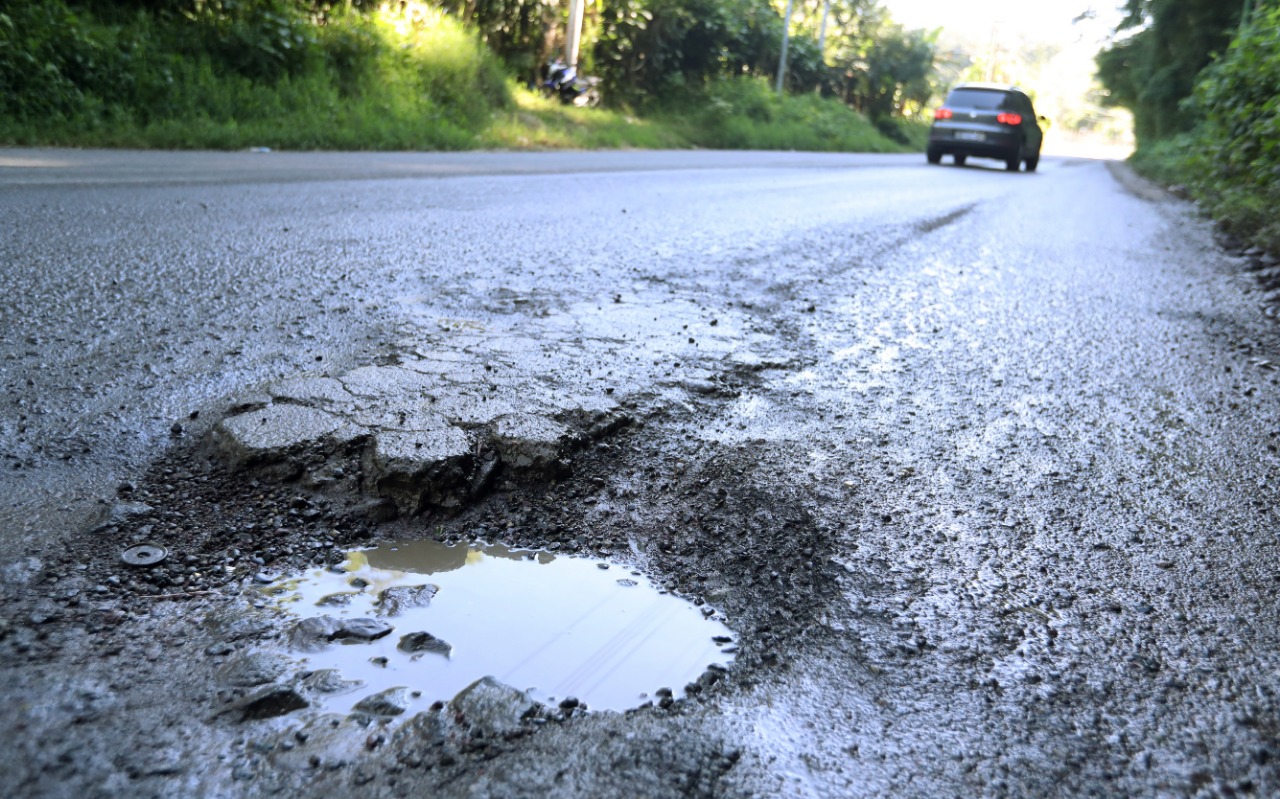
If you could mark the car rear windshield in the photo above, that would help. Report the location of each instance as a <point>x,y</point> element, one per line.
<point>979,98</point>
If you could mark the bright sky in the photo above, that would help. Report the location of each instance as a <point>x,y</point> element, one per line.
<point>1060,88</point>
<point>1048,21</point>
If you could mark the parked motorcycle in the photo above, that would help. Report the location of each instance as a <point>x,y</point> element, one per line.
<point>563,81</point>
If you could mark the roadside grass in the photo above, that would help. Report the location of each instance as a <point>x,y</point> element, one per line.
<point>746,114</point>
<point>738,115</point>
<point>539,123</point>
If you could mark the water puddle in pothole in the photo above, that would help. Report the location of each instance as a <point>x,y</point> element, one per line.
<point>553,625</point>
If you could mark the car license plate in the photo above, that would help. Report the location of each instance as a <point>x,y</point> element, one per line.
<point>965,135</point>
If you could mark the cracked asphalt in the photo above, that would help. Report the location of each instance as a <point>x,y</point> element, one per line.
<point>978,467</point>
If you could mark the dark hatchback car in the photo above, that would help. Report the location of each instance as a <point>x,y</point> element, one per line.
<point>984,120</point>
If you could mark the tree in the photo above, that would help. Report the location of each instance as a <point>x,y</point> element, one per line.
<point>1162,46</point>
<point>650,47</point>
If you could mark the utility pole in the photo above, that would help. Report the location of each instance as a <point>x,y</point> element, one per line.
<point>573,35</point>
<point>995,52</point>
<point>786,35</point>
<point>822,31</point>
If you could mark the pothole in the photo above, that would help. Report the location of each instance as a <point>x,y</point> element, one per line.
<point>432,618</point>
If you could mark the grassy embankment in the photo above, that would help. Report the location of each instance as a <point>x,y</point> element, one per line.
<point>387,80</point>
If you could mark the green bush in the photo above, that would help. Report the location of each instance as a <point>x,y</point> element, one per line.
<point>49,57</point>
<point>1231,161</point>
<point>235,74</point>
<point>1240,182</point>
<point>1237,96</point>
<point>262,41</point>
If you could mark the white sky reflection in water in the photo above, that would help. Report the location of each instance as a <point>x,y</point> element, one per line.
<point>555,625</point>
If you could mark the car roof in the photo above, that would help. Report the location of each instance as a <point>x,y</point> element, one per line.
<point>994,87</point>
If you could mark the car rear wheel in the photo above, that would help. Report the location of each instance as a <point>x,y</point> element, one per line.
<point>934,156</point>
<point>960,159</point>
<point>1033,162</point>
<point>1013,163</point>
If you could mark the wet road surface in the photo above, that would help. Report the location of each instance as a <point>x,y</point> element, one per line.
<point>977,466</point>
<point>130,308</point>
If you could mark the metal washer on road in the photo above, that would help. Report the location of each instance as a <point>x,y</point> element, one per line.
<point>144,555</point>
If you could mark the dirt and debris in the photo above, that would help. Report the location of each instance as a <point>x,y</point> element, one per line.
<point>231,523</point>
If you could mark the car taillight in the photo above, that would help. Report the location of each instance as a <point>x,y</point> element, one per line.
<point>1009,119</point>
<point>942,113</point>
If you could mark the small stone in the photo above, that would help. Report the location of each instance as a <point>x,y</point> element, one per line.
<point>271,702</point>
<point>329,681</point>
<point>318,632</point>
<point>362,629</point>
<point>422,642</point>
<point>391,702</point>
<point>492,707</point>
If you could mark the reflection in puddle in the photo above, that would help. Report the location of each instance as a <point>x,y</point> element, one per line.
<point>555,626</point>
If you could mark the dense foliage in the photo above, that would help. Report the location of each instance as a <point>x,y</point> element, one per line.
<point>1164,46</point>
<point>1203,89</point>
<point>1239,101</point>
<point>411,73</point>
<point>222,73</point>
<point>442,74</point>
<point>648,48</point>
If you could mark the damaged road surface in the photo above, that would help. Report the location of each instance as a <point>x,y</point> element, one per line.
<point>789,474</point>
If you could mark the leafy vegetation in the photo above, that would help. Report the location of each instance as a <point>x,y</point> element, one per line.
<point>732,114</point>
<point>1206,121</point>
<point>1153,68</point>
<point>1237,99</point>
<point>446,74</point>
<point>235,76</point>
<point>746,114</point>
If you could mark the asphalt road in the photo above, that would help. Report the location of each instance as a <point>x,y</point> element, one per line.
<point>980,467</point>
<point>145,286</point>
